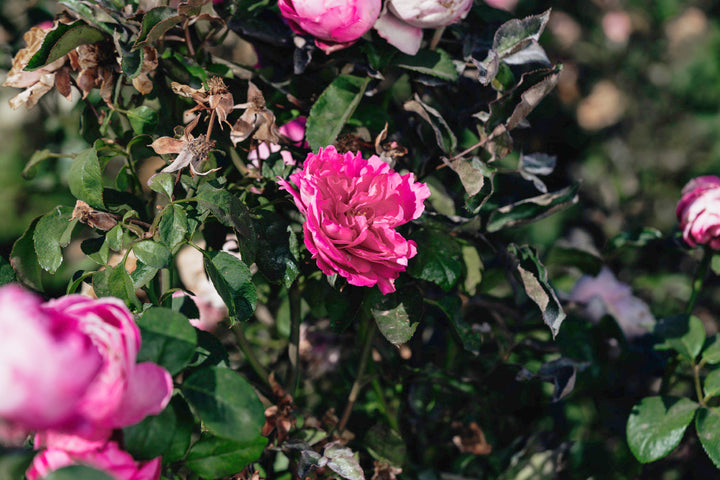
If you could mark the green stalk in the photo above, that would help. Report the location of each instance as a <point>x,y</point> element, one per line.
<point>249,355</point>
<point>294,346</point>
<point>357,385</point>
<point>699,279</point>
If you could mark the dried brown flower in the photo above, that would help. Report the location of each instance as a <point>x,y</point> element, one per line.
<point>93,218</point>
<point>191,152</point>
<point>384,471</point>
<point>279,417</point>
<point>472,440</point>
<point>142,82</point>
<point>257,120</point>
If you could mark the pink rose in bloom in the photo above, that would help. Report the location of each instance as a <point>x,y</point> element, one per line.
<point>352,207</point>
<point>46,364</point>
<point>699,212</point>
<point>402,21</point>
<point>108,458</point>
<point>335,24</point>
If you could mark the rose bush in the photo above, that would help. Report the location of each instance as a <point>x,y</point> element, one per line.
<point>699,212</point>
<point>352,207</point>
<point>336,24</point>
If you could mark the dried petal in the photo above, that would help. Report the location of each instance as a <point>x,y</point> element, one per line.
<point>30,96</point>
<point>142,84</point>
<point>164,145</point>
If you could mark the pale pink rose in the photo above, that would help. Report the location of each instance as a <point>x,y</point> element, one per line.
<point>699,212</point>
<point>46,364</point>
<point>352,207</point>
<point>293,131</point>
<point>605,295</point>
<point>508,5</point>
<point>109,458</point>
<point>335,24</point>
<point>123,392</point>
<point>402,21</point>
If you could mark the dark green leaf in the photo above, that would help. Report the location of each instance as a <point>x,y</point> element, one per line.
<point>533,275</point>
<point>24,260</point>
<point>469,335</point>
<point>707,424</point>
<point>437,63</point>
<point>226,403</point>
<point>711,352</point>
<point>274,257</point>
<point>97,249</point>
<point>14,462</point>
<point>7,275</point>
<point>152,253</point>
<point>444,136</point>
<point>635,239</point>
<point>85,179</point>
<point>168,339</point>
<point>163,182</point>
<point>391,317</point>
<point>63,38</point>
<point>51,233</point>
<point>143,274</point>
<point>214,457</point>
<point>173,226</point>
<point>386,445</point>
<point>684,333</point>
<point>587,262</point>
<point>439,259</point>
<point>114,238</point>
<point>115,282</point>
<point>532,209</point>
<point>333,109</point>
<point>656,426</point>
<point>155,23</point>
<point>167,434</point>
<point>143,119</point>
<point>77,472</point>
<point>37,158</point>
<point>711,384</point>
<point>233,281</point>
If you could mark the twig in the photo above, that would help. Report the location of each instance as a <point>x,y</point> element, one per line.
<point>294,346</point>
<point>249,355</point>
<point>357,385</point>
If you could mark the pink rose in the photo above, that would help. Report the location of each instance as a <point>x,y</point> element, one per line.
<point>123,392</point>
<point>402,22</point>
<point>335,24</point>
<point>699,212</point>
<point>352,207</point>
<point>46,363</point>
<point>108,458</point>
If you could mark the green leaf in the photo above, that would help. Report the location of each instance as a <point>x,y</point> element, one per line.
<point>24,260</point>
<point>7,274</point>
<point>444,135</point>
<point>168,339</point>
<point>587,262</point>
<point>342,461</point>
<point>711,384</point>
<point>711,352</point>
<point>437,63</point>
<point>63,38</point>
<point>274,257</point>
<point>115,282</point>
<point>163,182</point>
<point>386,445</point>
<point>214,457</point>
<point>439,259</point>
<point>707,424</point>
<point>391,317</point>
<point>683,333</point>
<point>532,209</point>
<point>469,336</point>
<point>114,238</point>
<point>226,403</point>
<point>77,472</point>
<point>85,179</point>
<point>533,275</point>
<point>233,281</point>
<point>231,212</point>
<point>173,227</point>
<point>37,158</point>
<point>333,109</point>
<point>143,119</point>
<point>51,233</point>
<point>638,238</point>
<point>155,23</point>
<point>14,462</point>
<point>143,274</point>
<point>517,34</point>
<point>97,249</point>
<point>472,173</point>
<point>167,434</point>
<point>656,426</point>
<point>152,253</point>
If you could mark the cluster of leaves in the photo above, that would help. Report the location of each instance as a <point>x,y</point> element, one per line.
<point>468,338</point>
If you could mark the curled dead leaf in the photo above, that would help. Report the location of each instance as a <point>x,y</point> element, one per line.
<point>472,440</point>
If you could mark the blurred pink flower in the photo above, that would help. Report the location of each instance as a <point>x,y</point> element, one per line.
<point>401,23</point>
<point>352,207</point>
<point>508,5</point>
<point>605,295</point>
<point>335,24</point>
<point>108,458</point>
<point>46,363</point>
<point>699,212</point>
<point>617,26</point>
<point>293,131</point>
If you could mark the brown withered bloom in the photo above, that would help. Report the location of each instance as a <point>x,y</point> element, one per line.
<point>142,82</point>
<point>279,417</point>
<point>472,440</point>
<point>384,471</point>
<point>216,98</point>
<point>257,120</point>
<point>37,82</point>
<point>93,218</point>
<point>97,65</point>
<point>388,151</point>
<point>191,152</point>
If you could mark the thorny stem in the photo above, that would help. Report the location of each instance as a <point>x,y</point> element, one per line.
<point>696,379</point>
<point>248,352</point>
<point>357,385</point>
<point>436,37</point>
<point>294,346</point>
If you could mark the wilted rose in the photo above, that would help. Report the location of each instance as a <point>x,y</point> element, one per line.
<point>402,22</point>
<point>293,131</point>
<point>352,207</point>
<point>109,458</point>
<point>699,212</point>
<point>335,24</point>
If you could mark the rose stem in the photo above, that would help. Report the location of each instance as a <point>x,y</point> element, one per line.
<point>699,279</point>
<point>357,385</point>
<point>436,37</point>
<point>249,355</point>
<point>294,346</point>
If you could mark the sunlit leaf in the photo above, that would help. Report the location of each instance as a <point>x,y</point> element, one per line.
<point>656,426</point>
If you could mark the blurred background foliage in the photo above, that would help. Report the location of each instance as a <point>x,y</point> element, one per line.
<point>634,117</point>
